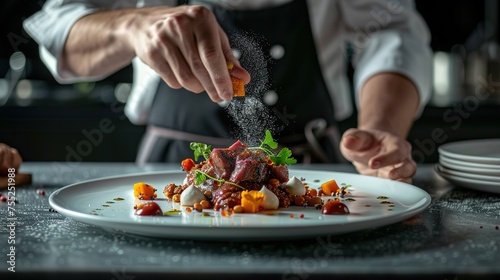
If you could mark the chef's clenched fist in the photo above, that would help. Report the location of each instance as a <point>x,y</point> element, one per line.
<point>379,153</point>
<point>9,158</point>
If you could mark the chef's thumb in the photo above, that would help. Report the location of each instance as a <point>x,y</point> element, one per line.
<point>357,140</point>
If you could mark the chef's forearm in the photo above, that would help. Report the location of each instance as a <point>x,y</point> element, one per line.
<point>388,102</point>
<point>99,44</point>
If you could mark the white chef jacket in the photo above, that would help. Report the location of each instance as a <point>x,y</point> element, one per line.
<point>387,36</point>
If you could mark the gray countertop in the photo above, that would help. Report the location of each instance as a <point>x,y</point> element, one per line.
<point>456,237</point>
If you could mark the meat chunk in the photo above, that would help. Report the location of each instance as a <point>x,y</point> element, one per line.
<point>249,169</point>
<point>223,159</point>
<point>280,172</point>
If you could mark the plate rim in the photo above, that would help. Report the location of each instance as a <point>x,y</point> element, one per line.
<point>444,150</point>
<point>477,185</point>
<point>459,162</point>
<point>467,175</point>
<point>418,207</point>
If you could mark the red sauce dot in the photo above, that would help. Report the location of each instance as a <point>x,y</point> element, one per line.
<point>334,207</point>
<point>149,209</point>
<point>301,216</point>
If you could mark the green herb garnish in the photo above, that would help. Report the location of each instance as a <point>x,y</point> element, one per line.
<point>284,155</point>
<point>201,177</point>
<point>200,149</point>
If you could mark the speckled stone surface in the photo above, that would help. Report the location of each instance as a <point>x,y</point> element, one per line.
<point>457,237</point>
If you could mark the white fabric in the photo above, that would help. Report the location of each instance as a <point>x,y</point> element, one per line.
<point>387,36</point>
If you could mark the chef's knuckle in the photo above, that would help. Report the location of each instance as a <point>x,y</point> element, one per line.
<point>177,21</point>
<point>199,12</point>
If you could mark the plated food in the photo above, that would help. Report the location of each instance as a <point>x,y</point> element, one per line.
<point>243,179</point>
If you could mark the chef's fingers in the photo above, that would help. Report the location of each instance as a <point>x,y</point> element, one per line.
<point>181,51</point>
<point>394,151</point>
<point>16,159</point>
<point>359,146</point>
<point>216,79</point>
<point>237,71</point>
<point>404,171</point>
<point>5,158</point>
<point>357,140</point>
<point>9,158</point>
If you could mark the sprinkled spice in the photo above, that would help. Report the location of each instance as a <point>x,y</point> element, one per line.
<point>105,205</point>
<point>292,216</point>
<point>301,216</point>
<point>205,214</point>
<point>118,198</point>
<point>109,202</point>
<point>385,202</point>
<point>350,199</point>
<point>382,197</point>
<point>368,205</point>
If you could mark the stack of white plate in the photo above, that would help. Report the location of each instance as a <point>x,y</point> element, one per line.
<point>473,164</point>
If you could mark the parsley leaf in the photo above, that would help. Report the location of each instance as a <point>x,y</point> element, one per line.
<point>200,149</point>
<point>269,141</point>
<point>284,155</point>
<point>199,177</point>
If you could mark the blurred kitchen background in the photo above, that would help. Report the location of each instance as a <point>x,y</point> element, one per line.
<point>47,121</point>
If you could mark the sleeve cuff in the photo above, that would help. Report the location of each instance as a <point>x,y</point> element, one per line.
<point>50,28</point>
<point>397,53</point>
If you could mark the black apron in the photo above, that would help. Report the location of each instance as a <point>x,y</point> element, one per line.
<point>299,118</point>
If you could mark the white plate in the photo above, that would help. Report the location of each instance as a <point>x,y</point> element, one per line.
<point>84,202</point>
<point>456,164</point>
<point>473,184</point>
<point>478,151</point>
<point>467,175</point>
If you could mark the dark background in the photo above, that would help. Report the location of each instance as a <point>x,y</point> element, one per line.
<point>60,122</point>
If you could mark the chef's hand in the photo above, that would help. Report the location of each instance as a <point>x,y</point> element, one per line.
<point>9,158</point>
<point>186,46</point>
<point>379,153</point>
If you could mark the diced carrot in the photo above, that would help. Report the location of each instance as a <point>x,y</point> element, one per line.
<point>330,187</point>
<point>238,87</point>
<point>144,191</point>
<point>312,192</point>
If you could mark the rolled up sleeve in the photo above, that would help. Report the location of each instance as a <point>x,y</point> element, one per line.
<point>50,27</point>
<point>390,36</point>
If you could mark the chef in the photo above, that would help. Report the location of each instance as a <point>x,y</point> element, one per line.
<point>292,56</point>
